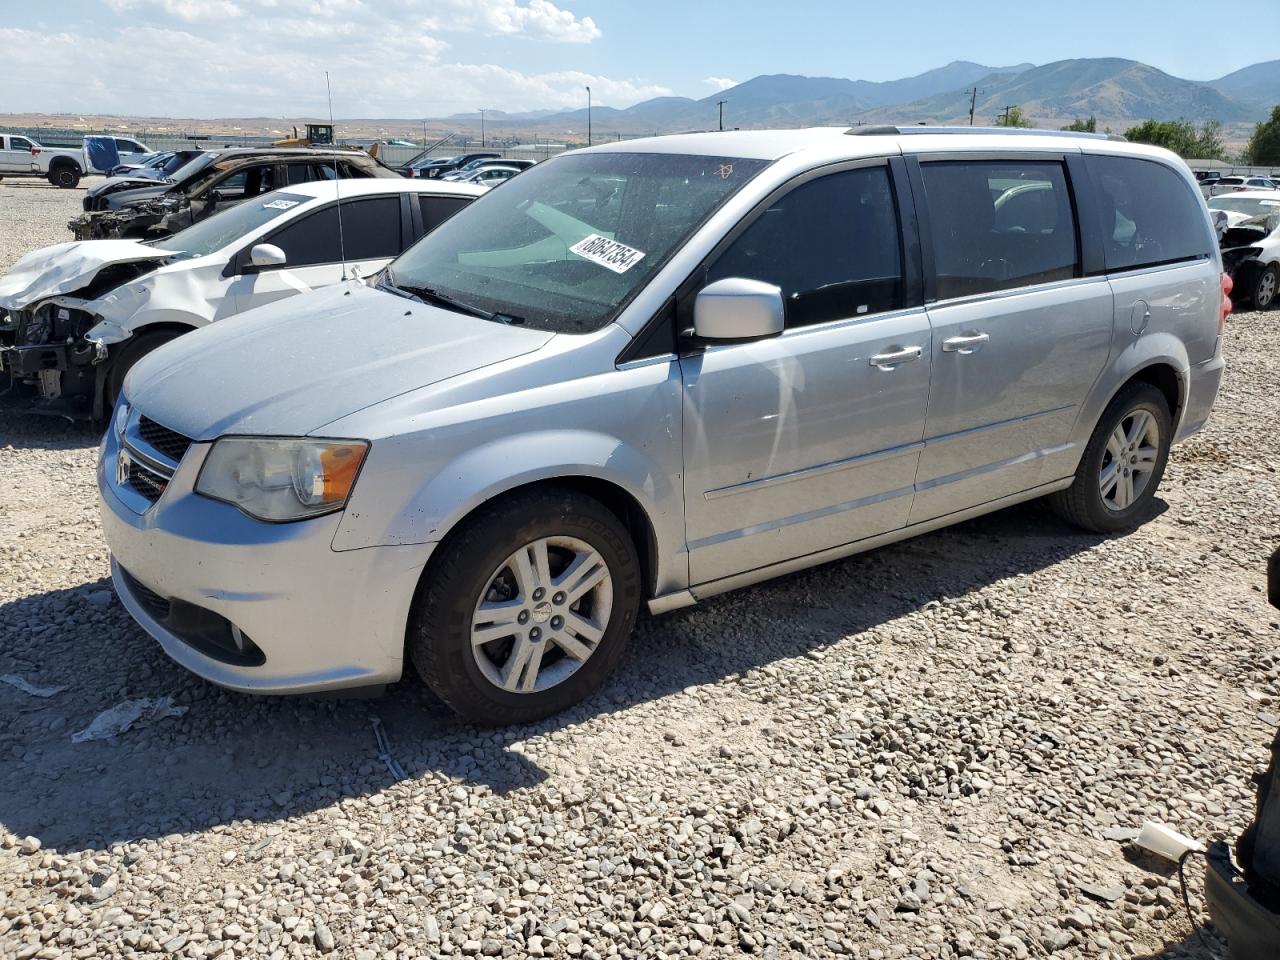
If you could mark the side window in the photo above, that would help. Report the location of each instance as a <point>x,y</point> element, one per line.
<point>128,146</point>
<point>831,244</point>
<point>371,228</point>
<point>310,240</point>
<point>997,225</point>
<point>232,187</point>
<point>19,143</point>
<point>1149,215</point>
<point>298,173</point>
<point>436,210</point>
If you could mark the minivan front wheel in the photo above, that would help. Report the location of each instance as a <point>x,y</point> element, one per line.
<point>527,609</point>
<point>1122,464</point>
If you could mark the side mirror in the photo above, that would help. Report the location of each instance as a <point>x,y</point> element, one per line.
<point>735,310</point>
<point>266,255</point>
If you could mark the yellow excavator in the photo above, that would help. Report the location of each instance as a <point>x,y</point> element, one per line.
<point>318,135</point>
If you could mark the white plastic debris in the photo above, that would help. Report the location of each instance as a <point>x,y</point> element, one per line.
<point>1166,842</point>
<point>44,693</point>
<point>123,716</point>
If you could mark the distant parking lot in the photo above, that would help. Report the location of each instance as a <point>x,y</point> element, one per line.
<point>915,752</point>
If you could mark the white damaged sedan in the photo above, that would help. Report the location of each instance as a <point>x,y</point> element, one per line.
<point>75,317</point>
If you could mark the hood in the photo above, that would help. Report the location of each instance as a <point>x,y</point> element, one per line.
<point>68,267</point>
<point>291,367</point>
<point>127,181</point>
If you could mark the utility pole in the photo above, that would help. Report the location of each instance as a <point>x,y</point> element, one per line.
<point>482,113</point>
<point>973,104</point>
<point>588,116</point>
<point>720,104</point>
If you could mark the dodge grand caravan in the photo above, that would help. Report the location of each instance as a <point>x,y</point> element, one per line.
<point>650,372</point>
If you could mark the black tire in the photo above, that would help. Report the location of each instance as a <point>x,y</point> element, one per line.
<point>440,624</point>
<point>1083,503</point>
<point>66,177</point>
<point>1265,287</point>
<point>133,350</point>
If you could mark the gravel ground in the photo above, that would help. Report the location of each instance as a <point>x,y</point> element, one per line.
<point>925,751</point>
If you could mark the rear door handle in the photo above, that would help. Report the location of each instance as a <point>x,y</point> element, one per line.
<point>965,343</point>
<point>891,359</point>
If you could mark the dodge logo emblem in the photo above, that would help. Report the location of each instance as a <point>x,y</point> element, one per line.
<point>124,463</point>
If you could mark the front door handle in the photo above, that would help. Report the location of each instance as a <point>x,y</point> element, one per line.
<point>965,343</point>
<point>891,359</point>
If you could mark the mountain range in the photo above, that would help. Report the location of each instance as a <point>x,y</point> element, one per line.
<point>1111,89</point>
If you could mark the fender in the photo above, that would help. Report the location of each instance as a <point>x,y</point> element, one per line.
<point>1151,350</point>
<point>485,472</point>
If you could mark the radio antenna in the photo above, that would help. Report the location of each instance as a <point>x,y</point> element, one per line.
<point>337,182</point>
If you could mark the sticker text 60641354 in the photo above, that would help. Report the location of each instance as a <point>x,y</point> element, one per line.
<point>610,254</point>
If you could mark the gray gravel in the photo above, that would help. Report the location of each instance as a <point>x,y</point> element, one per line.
<point>918,752</point>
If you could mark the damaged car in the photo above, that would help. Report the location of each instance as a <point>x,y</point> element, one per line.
<point>143,209</point>
<point>1251,244</point>
<point>79,315</point>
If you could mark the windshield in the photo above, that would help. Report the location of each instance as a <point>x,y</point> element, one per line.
<point>566,244</point>
<point>213,233</point>
<point>1252,206</point>
<point>193,166</point>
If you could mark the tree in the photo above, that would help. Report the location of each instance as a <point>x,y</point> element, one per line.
<point>1182,137</point>
<point>1013,117</point>
<point>1083,126</point>
<point>1264,146</point>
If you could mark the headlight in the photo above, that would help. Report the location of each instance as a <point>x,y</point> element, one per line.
<point>122,417</point>
<point>282,478</point>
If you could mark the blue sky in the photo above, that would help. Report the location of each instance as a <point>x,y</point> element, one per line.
<point>410,58</point>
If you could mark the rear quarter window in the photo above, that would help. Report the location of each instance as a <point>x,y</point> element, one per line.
<point>1149,215</point>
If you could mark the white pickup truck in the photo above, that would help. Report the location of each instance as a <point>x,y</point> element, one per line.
<point>62,166</point>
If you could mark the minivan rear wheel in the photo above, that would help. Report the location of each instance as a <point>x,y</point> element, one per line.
<point>1122,464</point>
<point>527,608</point>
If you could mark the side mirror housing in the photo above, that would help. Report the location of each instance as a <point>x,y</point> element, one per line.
<point>266,255</point>
<point>736,310</point>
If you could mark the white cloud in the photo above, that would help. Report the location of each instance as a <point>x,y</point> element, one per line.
<point>720,83</point>
<point>273,64</point>
<point>188,10</point>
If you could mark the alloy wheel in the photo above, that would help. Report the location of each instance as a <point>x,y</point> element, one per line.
<point>1129,461</point>
<point>1266,291</point>
<point>542,614</point>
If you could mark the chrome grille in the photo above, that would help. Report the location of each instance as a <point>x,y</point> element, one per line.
<point>169,442</point>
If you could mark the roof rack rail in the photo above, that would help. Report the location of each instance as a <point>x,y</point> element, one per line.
<point>889,130</point>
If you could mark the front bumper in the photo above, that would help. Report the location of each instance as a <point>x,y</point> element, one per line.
<point>1203,381</point>
<point>62,369</point>
<point>321,619</point>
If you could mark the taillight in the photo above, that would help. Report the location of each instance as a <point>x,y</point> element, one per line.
<point>1227,285</point>
<point>35,151</point>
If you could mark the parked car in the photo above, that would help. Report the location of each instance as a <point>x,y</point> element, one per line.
<point>467,170</point>
<point>23,157</point>
<point>104,153</point>
<point>651,372</point>
<point>211,182</point>
<point>1237,184</point>
<point>489,177</point>
<point>156,166</point>
<point>1251,244</point>
<point>84,312</point>
<point>440,166</point>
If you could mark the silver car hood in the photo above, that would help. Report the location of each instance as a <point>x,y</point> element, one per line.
<point>67,267</point>
<point>291,367</point>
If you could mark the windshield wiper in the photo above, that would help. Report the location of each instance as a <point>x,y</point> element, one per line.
<point>436,298</point>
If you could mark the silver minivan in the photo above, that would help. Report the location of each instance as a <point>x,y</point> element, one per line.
<point>650,372</point>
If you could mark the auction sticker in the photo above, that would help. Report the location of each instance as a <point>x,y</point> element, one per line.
<point>280,204</point>
<point>610,254</point>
